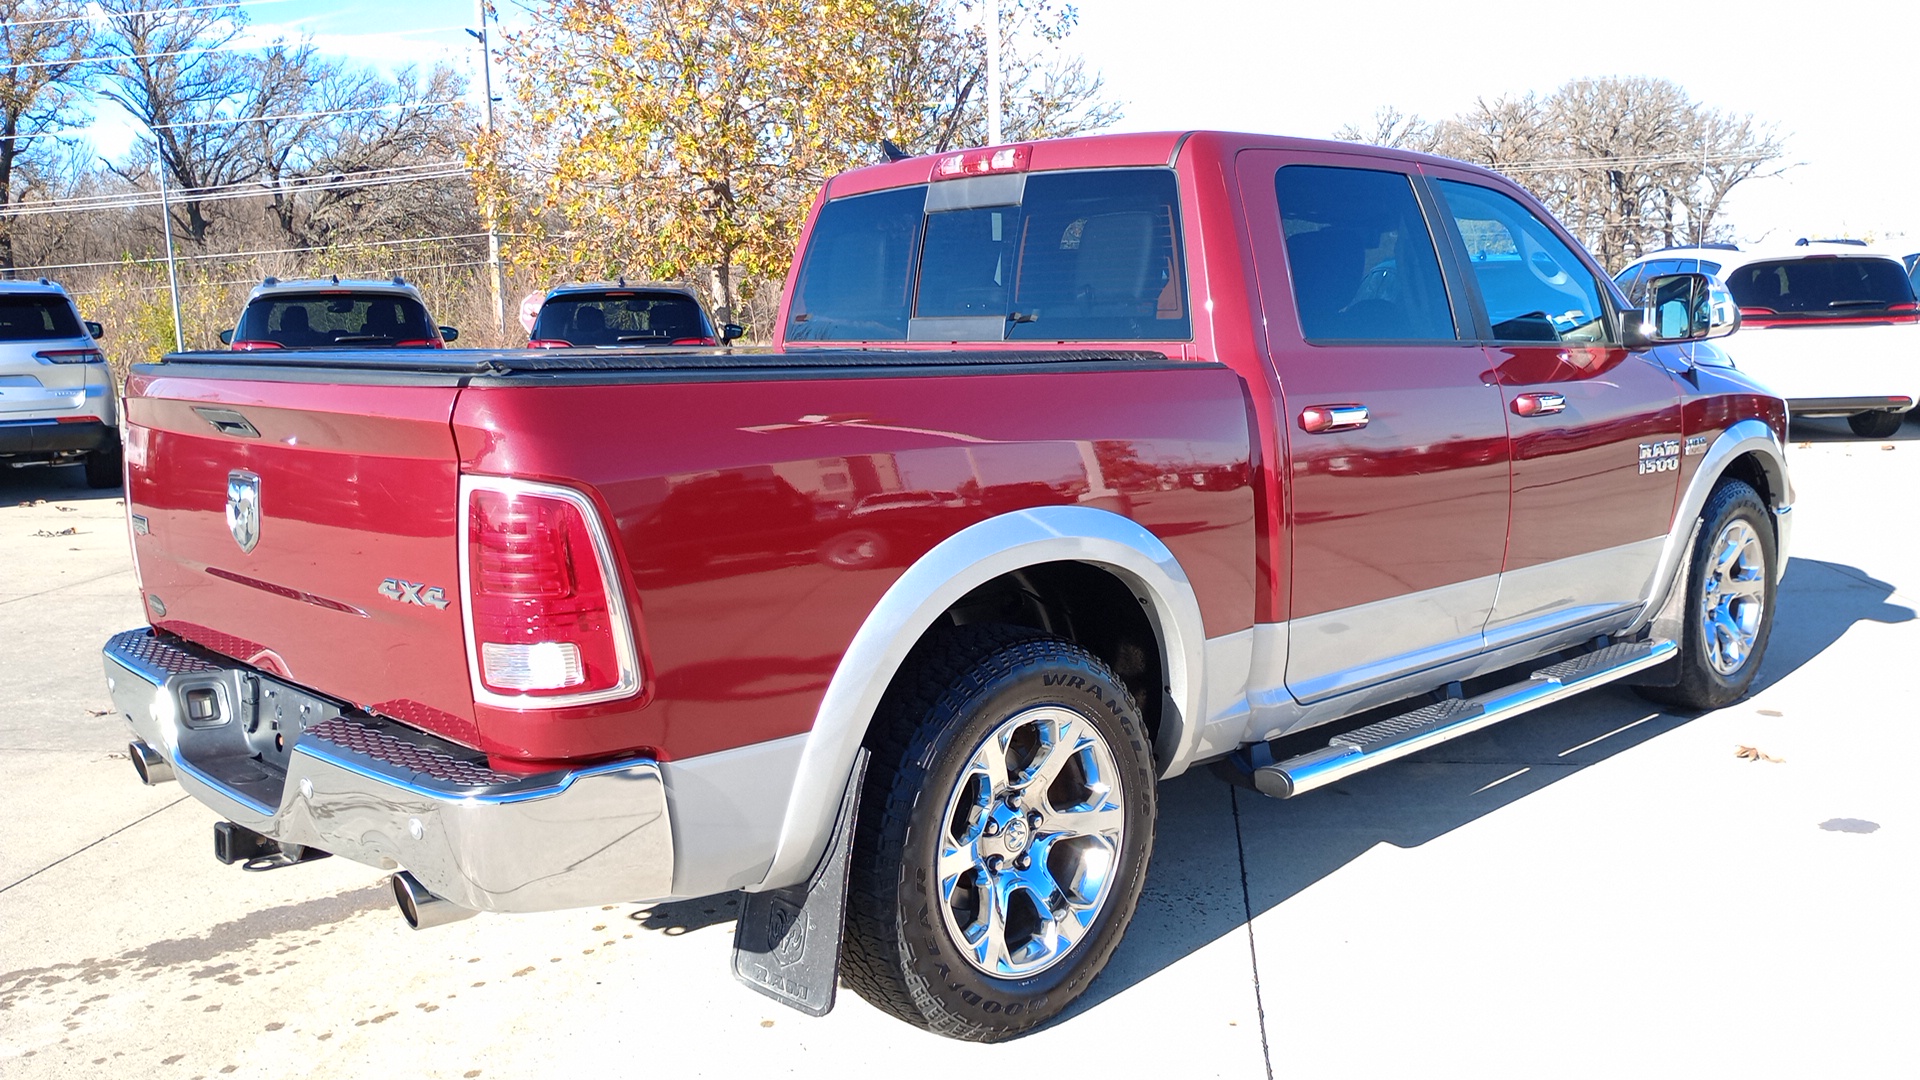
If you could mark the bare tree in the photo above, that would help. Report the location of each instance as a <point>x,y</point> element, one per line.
<point>44,43</point>
<point>1627,164</point>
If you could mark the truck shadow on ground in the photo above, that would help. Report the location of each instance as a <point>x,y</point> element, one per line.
<point>1224,855</point>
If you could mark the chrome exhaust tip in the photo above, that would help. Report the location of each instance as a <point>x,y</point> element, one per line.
<point>151,764</point>
<point>421,908</point>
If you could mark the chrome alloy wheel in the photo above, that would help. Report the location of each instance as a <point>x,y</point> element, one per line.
<point>1033,830</point>
<point>1733,597</point>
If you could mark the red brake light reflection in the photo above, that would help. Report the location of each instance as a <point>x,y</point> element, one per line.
<point>1003,159</point>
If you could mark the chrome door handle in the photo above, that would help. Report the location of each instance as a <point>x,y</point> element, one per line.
<point>1319,419</point>
<point>1538,404</point>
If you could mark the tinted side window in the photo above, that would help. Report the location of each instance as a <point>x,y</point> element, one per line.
<point>1534,287</point>
<point>1360,256</point>
<point>857,276</point>
<point>36,318</point>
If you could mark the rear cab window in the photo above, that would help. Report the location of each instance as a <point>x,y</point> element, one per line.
<point>622,317</point>
<point>1821,289</point>
<point>37,318</point>
<point>326,319</point>
<point>1077,255</point>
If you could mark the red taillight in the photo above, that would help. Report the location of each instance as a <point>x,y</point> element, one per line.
<point>1002,159</point>
<point>546,622</point>
<point>420,343</point>
<point>1756,312</point>
<point>695,341</point>
<point>1909,306</point>
<point>549,343</point>
<point>72,356</point>
<point>250,346</point>
<point>78,419</point>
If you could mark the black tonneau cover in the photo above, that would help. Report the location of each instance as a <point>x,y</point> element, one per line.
<point>497,362</point>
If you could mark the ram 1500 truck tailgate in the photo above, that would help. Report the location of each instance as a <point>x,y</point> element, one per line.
<point>307,527</point>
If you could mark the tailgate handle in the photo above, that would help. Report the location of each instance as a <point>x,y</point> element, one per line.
<point>228,422</point>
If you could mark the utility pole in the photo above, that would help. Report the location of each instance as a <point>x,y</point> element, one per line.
<point>496,276</point>
<point>166,222</point>
<point>993,72</point>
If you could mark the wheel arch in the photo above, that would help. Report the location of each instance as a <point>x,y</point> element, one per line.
<point>1749,451</point>
<point>1017,548</point>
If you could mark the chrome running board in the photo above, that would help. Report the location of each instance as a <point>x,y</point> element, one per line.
<point>1396,737</point>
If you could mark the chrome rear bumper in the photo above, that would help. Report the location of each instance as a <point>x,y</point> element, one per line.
<point>387,795</point>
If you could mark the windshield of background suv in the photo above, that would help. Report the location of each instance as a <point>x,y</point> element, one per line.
<point>325,319</point>
<point>622,317</point>
<point>1821,288</point>
<point>37,318</point>
<point>1084,255</point>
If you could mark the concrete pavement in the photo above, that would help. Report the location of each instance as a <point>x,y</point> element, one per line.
<point>1594,889</point>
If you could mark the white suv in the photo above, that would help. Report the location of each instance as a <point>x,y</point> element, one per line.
<point>336,313</point>
<point>1832,326</point>
<point>56,394</point>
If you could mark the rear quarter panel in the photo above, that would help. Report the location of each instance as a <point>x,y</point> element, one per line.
<point>743,517</point>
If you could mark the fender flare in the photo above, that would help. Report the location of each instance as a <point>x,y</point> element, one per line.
<point>1738,440</point>
<point>954,567</point>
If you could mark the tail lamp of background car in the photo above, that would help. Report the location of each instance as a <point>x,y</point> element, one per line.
<point>72,356</point>
<point>1902,312</point>
<point>547,625</point>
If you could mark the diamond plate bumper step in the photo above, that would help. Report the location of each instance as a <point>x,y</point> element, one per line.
<point>1396,737</point>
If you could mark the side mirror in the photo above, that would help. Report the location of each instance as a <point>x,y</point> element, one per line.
<point>732,332</point>
<point>95,330</point>
<point>226,337</point>
<point>1681,307</point>
<point>449,334</point>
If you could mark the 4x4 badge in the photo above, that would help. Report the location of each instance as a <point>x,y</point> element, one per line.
<point>243,508</point>
<point>417,593</point>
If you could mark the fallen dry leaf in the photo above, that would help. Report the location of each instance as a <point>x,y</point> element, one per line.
<point>1753,753</point>
<point>63,532</point>
<point>67,509</point>
<point>101,712</point>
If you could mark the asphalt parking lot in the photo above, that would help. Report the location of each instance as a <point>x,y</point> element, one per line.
<point>1595,889</point>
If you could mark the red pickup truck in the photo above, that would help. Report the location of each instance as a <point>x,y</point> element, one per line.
<point>1075,465</point>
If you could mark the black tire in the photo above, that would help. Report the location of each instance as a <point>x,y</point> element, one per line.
<point>102,468</point>
<point>905,950</point>
<point>1710,677</point>
<point>1876,425</point>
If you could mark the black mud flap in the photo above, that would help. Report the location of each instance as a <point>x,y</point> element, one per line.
<point>1669,623</point>
<point>787,942</point>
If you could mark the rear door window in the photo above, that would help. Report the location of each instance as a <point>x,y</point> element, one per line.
<point>323,320</point>
<point>622,317</point>
<point>1821,288</point>
<point>37,318</point>
<point>1533,286</point>
<point>1360,256</point>
<point>1084,255</point>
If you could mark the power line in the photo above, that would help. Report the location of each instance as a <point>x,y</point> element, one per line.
<point>430,170</point>
<point>390,107</point>
<point>224,48</point>
<point>97,15</point>
<point>256,281</point>
<point>247,254</point>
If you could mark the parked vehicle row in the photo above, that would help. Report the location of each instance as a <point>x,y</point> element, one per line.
<point>1834,326</point>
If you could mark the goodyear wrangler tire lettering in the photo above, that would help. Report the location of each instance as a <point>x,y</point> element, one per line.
<point>1004,836</point>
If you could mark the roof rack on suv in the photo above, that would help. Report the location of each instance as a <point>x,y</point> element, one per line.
<point>1804,242</point>
<point>1711,245</point>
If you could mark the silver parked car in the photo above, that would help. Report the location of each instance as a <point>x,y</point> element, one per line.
<point>56,394</point>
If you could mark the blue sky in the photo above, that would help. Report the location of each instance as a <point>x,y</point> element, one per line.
<point>1840,82</point>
